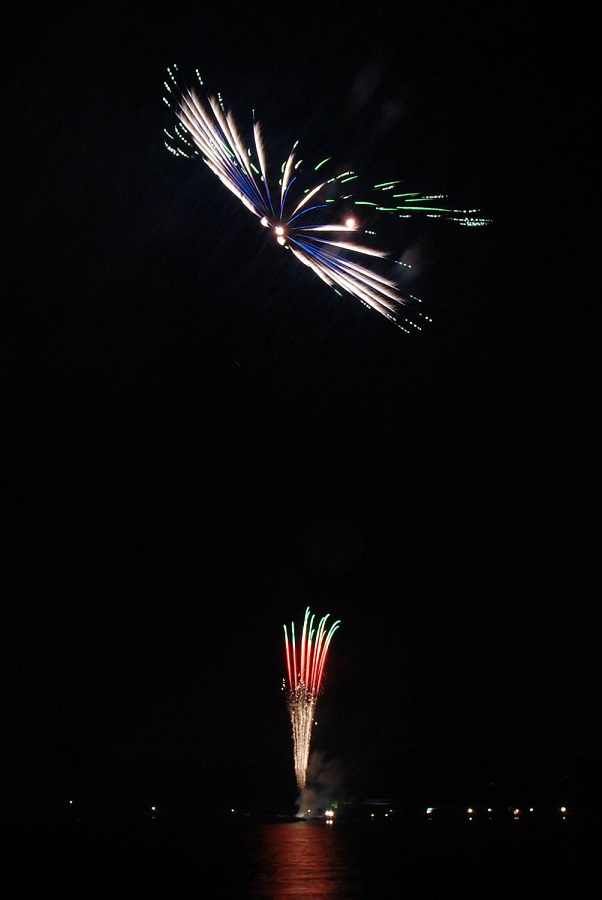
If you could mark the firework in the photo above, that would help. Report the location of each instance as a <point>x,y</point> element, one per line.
<point>305,663</point>
<point>295,214</point>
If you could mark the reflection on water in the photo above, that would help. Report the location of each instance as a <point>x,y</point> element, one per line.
<point>312,859</point>
<point>302,859</point>
<point>239,858</point>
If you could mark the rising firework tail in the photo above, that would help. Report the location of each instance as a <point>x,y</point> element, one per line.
<point>305,662</point>
<point>315,221</point>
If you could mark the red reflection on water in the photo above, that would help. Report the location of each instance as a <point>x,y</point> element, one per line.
<point>300,859</point>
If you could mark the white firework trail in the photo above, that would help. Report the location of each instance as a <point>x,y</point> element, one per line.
<point>293,214</point>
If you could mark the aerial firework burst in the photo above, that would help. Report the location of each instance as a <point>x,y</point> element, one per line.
<point>305,663</point>
<point>294,212</point>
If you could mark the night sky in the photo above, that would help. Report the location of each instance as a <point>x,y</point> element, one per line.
<point>202,439</point>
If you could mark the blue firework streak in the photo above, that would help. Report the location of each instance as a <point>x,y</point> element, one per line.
<point>295,215</point>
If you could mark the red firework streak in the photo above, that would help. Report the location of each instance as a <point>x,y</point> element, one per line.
<point>305,669</point>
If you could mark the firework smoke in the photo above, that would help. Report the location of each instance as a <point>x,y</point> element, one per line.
<point>324,780</point>
<point>305,670</point>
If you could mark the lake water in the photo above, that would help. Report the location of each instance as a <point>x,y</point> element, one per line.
<point>239,858</point>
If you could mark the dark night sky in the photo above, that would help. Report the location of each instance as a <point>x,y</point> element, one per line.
<point>202,439</point>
